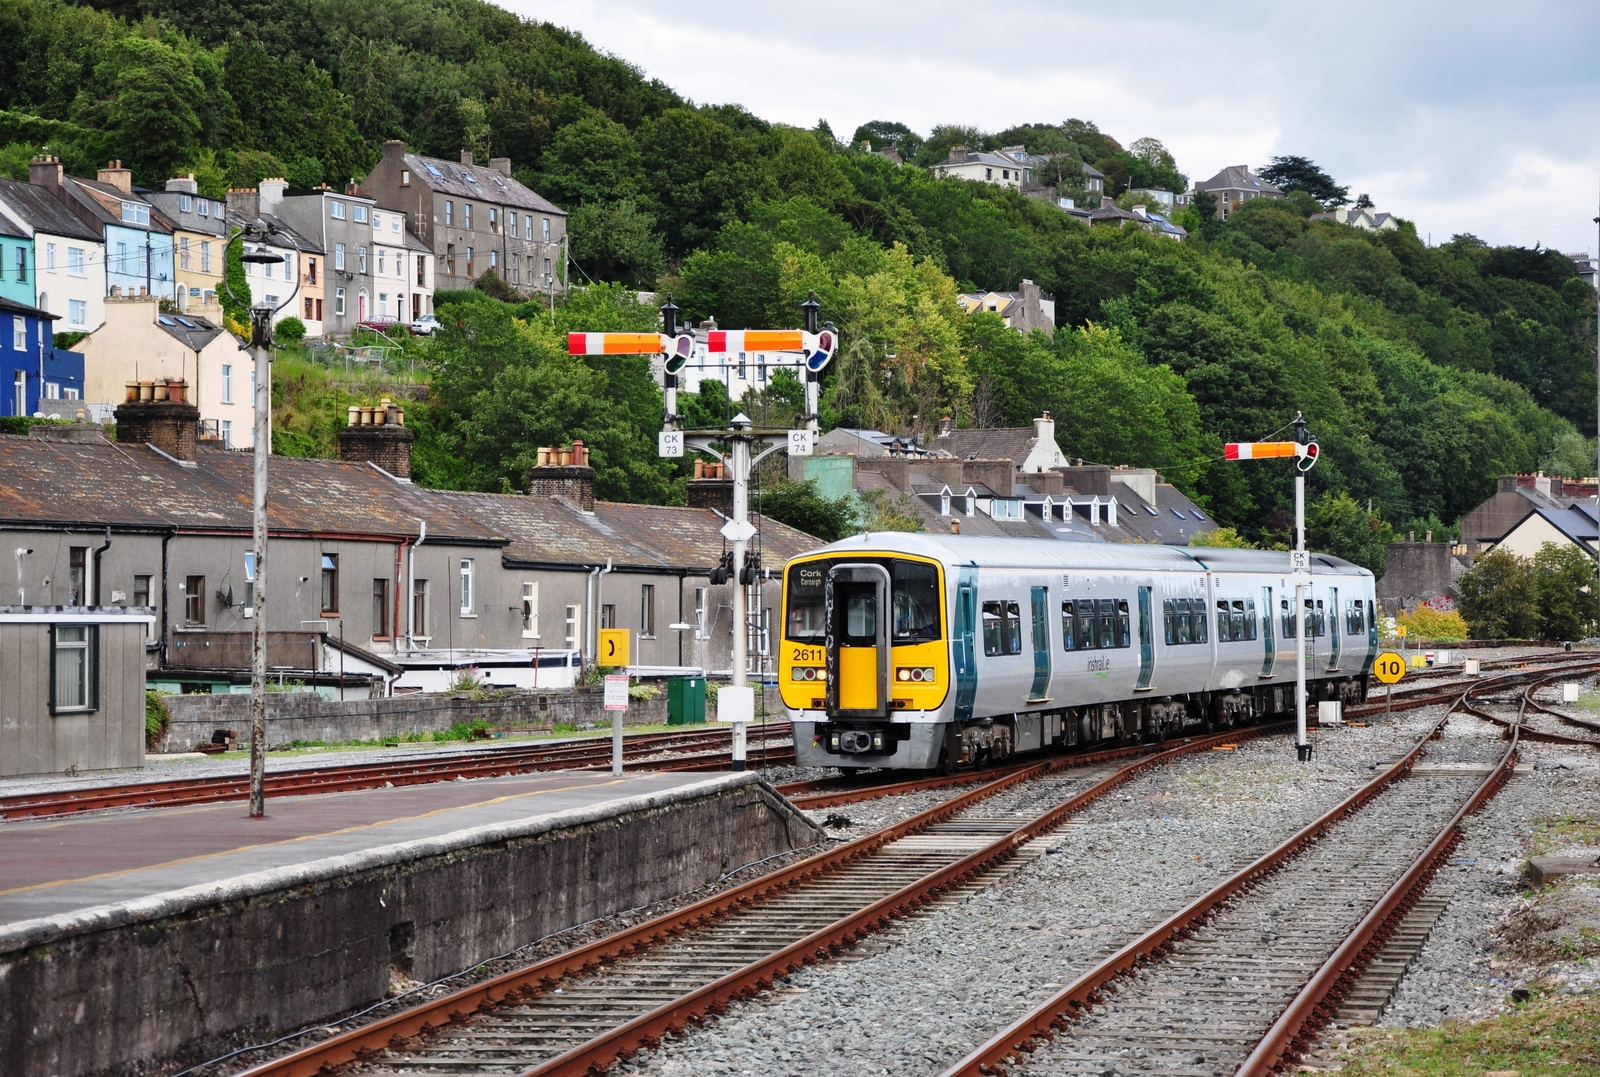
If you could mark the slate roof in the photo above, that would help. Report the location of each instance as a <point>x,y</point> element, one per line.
<point>190,330</point>
<point>476,181</point>
<point>285,235</point>
<point>1237,177</point>
<point>85,191</point>
<point>1012,443</point>
<point>11,306</point>
<point>1577,523</point>
<point>40,210</point>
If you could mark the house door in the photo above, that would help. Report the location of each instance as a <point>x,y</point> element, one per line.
<point>416,306</point>
<point>361,307</point>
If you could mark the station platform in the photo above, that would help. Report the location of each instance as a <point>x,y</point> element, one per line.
<point>161,934</point>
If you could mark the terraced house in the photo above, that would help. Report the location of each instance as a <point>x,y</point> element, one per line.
<point>65,270</point>
<point>137,237</point>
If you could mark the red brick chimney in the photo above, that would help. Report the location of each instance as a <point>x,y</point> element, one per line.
<point>564,473</point>
<point>159,413</point>
<point>379,436</point>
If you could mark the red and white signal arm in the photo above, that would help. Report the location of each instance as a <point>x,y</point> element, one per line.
<point>819,349</point>
<point>1305,455</point>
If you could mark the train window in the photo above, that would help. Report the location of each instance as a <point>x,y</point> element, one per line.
<point>1224,631</point>
<point>1198,613</point>
<point>1183,622</point>
<point>1238,620</point>
<point>1250,618</point>
<point>1356,618</point>
<point>1002,628</point>
<point>1085,625</point>
<point>1106,615</point>
<point>1123,639</point>
<point>1288,620</point>
<point>1315,626</point>
<point>1322,623</point>
<point>1069,624</point>
<point>1166,621</point>
<point>804,620</point>
<point>914,591</point>
<point>861,618</point>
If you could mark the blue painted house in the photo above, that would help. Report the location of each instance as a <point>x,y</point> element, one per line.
<point>30,364</point>
<point>138,238</point>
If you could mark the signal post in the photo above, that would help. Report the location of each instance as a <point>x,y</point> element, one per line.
<point>743,447</point>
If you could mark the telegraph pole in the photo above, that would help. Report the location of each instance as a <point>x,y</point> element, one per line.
<point>1301,567</point>
<point>260,342</point>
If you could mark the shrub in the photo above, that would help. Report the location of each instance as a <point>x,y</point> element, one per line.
<point>643,692</point>
<point>1427,623</point>
<point>290,331</point>
<point>156,718</point>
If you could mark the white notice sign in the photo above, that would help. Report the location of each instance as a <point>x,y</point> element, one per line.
<point>799,443</point>
<point>1299,561</point>
<point>616,696</point>
<point>669,443</point>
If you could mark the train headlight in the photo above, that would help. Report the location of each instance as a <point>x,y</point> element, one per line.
<point>916,674</point>
<point>808,673</point>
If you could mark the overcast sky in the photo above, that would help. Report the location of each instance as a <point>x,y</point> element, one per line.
<point>1463,116</point>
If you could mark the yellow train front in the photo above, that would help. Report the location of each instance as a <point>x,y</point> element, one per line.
<point>925,652</point>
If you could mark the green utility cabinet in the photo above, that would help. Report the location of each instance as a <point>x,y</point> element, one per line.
<point>686,700</point>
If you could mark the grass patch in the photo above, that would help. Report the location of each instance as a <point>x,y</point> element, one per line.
<point>1545,1038</point>
<point>1563,831</point>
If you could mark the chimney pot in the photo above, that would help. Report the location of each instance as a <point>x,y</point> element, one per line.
<point>366,438</point>
<point>161,416</point>
<point>561,474</point>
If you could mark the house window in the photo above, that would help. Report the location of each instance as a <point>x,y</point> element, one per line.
<point>338,302</point>
<point>205,256</point>
<point>380,609</point>
<point>647,610</point>
<point>50,256</point>
<point>309,308</point>
<point>511,225</point>
<point>227,383</point>
<point>527,225</point>
<point>361,214</point>
<point>205,209</point>
<point>494,261</point>
<point>419,609</point>
<point>494,219</point>
<point>572,627</point>
<point>78,575</point>
<point>19,333</point>
<point>545,224</point>
<point>338,256</point>
<point>530,609</point>
<point>466,215</point>
<point>450,259</point>
<point>382,262</point>
<point>449,212</point>
<point>361,260</point>
<point>52,390</point>
<point>608,616</point>
<point>466,586</point>
<point>330,583</point>
<point>74,673</point>
<point>547,277</point>
<point>405,177</point>
<point>22,264</point>
<point>988,173</point>
<point>141,591</point>
<point>75,312</point>
<point>469,261</point>
<point>336,210</point>
<point>183,253</point>
<point>421,277</point>
<point>135,213</point>
<point>185,203</point>
<point>319,310</point>
<point>75,261</point>
<point>194,601</point>
<point>531,274</point>
<point>71,394</point>
<point>227,433</point>
<point>511,264</point>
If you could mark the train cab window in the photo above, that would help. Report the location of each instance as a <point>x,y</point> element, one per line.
<point>861,618</point>
<point>1250,618</point>
<point>914,594</point>
<point>1002,628</point>
<point>1123,638</point>
<point>1355,618</point>
<point>805,620</point>
<point>1069,624</point>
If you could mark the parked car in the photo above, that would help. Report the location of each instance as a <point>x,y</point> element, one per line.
<point>380,325</point>
<point>425,325</point>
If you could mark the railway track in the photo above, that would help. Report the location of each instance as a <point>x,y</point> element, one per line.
<point>1452,683</point>
<point>639,749</point>
<point>582,1010</point>
<point>1241,979</point>
<point>1526,702</point>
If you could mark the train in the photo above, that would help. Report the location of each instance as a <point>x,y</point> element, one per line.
<point>908,651</point>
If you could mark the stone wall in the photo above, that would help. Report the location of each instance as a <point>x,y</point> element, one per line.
<point>1417,572</point>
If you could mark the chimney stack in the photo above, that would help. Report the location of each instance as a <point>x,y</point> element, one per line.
<point>271,192</point>
<point>1044,429</point>
<point>46,172</point>
<point>466,157</point>
<point>501,165</point>
<point>947,426</point>
<point>378,436</point>
<point>159,413</point>
<point>564,473</point>
<point>184,184</point>
<point>117,176</point>
<point>244,204</point>
<point>958,154</point>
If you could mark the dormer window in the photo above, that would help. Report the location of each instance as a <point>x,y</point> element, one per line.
<point>135,213</point>
<point>185,203</point>
<point>203,207</point>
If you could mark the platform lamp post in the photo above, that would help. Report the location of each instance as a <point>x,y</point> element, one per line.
<point>260,351</point>
<point>1304,451</point>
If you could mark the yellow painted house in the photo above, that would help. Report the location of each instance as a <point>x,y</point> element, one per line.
<point>199,231</point>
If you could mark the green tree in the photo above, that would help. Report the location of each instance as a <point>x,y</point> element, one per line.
<point>1571,455</point>
<point>1222,537</point>
<point>802,507</point>
<point>884,514</point>
<point>593,160</point>
<point>1294,173</point>
<point>888,134</point>
<point>617,242</point>
<point>145,92</point>
<point>1567,592</point>
<point>1500,597</point>
<point>235,297</point>
<point>1338,525</point>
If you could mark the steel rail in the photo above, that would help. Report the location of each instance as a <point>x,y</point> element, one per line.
<point>1317,1001</point>
<point>1043,1021</point>
<point>1508,727</point>
<point>486,762</point>
<point>508,988</point>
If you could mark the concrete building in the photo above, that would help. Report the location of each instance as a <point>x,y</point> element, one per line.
<point>1024,310</point>
<point>339,224</point>
<point>404,272</point>
<point>1588,268</point>
<point>32,368</point>
<point>72,676</point>
<point>1016,168</point>
<point>474,219</point>
<point>68,261</point>
<point>199,231</point>
<point>1364,218</point>
<point>1234,186</point>
<point>302,257</point>
<point>1515,499</point>
<point>138,343</point>
<point>362,558</point>
<point>137,237</point>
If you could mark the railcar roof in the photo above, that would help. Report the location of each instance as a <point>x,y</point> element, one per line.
<point>1045,553</point>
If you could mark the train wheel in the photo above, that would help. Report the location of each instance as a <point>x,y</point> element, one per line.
<point>982,758</point>
<point>944,766</point>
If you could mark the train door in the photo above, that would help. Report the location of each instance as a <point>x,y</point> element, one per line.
<point>963,642</point>
<point>1335,631</point>
<point>1269,650</point>
<point>1372,634</point>
<point>856,605</point>
<point>1040,601</point>
<point>1147,641</point>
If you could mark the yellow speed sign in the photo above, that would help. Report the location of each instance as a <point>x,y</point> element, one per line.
<point>1389,667</point>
